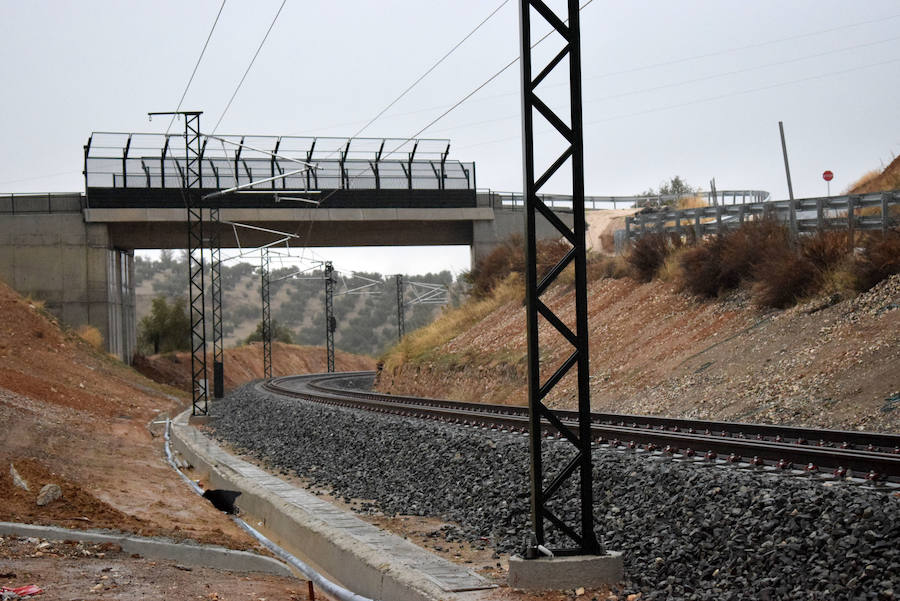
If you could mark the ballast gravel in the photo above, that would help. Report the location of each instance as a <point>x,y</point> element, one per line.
<point>688,531</point>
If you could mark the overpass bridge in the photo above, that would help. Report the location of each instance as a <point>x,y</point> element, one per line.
<point>75,251</point>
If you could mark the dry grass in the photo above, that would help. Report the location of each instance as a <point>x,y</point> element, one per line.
<point>782,279</point>
<point>691,202</point>
<point>601,266</point>
<point>649,252</point>
<point>875,181</point>
<point>422,342</point>
<point>91,335</point>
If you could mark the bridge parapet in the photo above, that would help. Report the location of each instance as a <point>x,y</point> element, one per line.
<point>143,161</point>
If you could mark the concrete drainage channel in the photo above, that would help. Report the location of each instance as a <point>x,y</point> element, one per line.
<point>339,545</point>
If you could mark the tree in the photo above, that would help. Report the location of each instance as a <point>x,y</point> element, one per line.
<point>675,188</point>
<point>279,334</point>
<point>167,328</point>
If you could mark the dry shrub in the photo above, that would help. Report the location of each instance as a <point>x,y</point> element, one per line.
<point>743,248</point>
<point>880,259</point>
<point>509,257</point>
<point>700,268</point>
<point>91,335</point>
<point>721,263</point>
<point>826,249</point>
<point>782,278</point>
<point>649,252</point>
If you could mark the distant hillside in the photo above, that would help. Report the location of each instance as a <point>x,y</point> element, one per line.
<point>366,323</point>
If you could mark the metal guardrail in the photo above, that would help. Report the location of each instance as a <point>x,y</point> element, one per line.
<point>53,202</point>
<point>803,215</point>
<point>142,160</point>
<point>515,200</point>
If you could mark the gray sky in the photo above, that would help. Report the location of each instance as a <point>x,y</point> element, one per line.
<point>694,88</point>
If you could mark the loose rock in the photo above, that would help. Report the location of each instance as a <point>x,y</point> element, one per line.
<point>48,494</point>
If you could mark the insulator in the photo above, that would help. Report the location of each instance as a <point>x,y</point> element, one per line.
<point>801,440</point>
<point>757,461</point>
<point>711,455</point>
<point>841,472</point>
<point>651,447</point>
<point>670,450</point>
<point>784,465</point>
<point>811,467</point>
<point>632,444</point>
<point>689,452</point>
<point>733,458</point>
<point>778,438</point>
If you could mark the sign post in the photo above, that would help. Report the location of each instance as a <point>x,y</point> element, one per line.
<point>828,176</point>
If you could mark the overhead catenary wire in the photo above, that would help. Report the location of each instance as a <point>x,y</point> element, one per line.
<point>430,69</point>
<point>461,101</point>
<point>702,100</point>
<point>646,67</point>
<point>196,65</point>
<point>253,60</point>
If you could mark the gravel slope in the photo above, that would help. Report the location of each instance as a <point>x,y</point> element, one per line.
<point>688,532</point>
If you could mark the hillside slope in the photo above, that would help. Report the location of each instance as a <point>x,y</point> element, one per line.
<point>245,364</point>
<point>656,351</point>
<point>79,418</point>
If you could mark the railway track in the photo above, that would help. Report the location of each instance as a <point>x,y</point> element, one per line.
<point>830,454</point>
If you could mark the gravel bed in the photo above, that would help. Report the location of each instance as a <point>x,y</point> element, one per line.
<point>687,531</point>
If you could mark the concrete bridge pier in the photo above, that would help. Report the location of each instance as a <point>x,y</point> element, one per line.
<point>48,252</point>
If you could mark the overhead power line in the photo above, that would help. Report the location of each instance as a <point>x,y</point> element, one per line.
<point>253,60</point>
<point>430,69</point>
<point>197,64</point>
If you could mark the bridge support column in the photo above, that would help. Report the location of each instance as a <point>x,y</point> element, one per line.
<point>72,268</point>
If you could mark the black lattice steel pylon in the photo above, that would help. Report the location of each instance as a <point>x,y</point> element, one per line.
<point>192,184</point>
<point>215,290</point>
<point>582,534</point>
<point>266,313</point>
<point>401,318</point>
<point>330,321</point>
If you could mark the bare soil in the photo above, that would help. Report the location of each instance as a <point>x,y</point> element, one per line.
<point>67,570</point>
<point>828,363</point>
<point>75,417</point>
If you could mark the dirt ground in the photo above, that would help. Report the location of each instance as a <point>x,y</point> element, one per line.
<point>70,571</point>
<point>657,351</point>
<point>77,418</point>
<point>82,420</point>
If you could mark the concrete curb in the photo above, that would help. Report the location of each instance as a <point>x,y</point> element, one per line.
<point>193,554</point>
<point>359,556</point>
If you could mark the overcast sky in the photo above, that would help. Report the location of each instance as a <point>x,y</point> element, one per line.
<point>694,88</point>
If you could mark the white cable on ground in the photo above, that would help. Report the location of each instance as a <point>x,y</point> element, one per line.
<point>330,588</point>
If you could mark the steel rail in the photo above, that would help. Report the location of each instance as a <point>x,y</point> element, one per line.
<point>875,456</point>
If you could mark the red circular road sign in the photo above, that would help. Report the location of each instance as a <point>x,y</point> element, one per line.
<point>828,176</point>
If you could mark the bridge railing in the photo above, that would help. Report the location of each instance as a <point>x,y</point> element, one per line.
<point>515,200</point>
<point>123,160</point>
<point>53,202</point>
<point>854,211</point>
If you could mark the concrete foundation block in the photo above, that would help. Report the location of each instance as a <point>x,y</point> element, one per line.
<point>559,573</point>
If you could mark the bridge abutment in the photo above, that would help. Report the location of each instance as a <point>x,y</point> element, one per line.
<point>49,253</point>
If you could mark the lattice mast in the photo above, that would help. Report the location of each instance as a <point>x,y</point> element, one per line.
<point>401,318</point>
<point>330,321</point>
<point>215,291</point>
<point>266,326</point>
<point>581,535</point>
